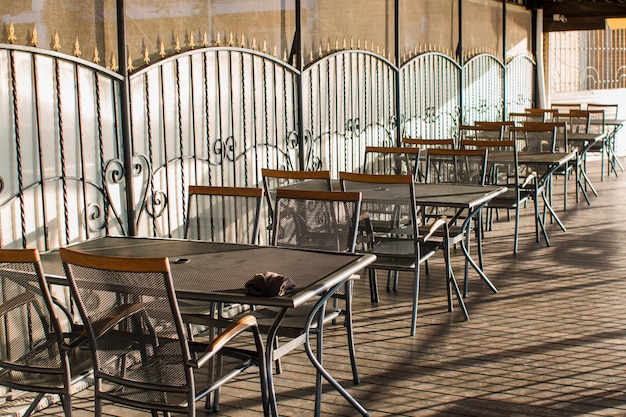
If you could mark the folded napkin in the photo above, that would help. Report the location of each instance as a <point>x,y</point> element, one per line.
<point>270,284</point>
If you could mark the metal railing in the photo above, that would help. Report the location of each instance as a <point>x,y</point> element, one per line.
<point>587,60</point>
<point>213,116</point>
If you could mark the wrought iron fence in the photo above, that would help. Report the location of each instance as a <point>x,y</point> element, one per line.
<point>62,177</point>
<point>214,116</point>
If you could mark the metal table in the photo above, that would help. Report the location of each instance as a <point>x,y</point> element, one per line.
<point>217,272</point>
<point>462,197</point>
<point>470,198</point>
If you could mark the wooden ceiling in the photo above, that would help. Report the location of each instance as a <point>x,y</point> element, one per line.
<point>562,15</point>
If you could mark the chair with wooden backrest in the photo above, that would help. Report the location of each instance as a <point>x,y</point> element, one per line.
<point>598,125</point>
<point>577,121</point>
<point>561,145</point>
<point>505,123</point>
<point>37,355</point>
<point>273,179</point>
<point>562,108</point>
<point>458,166</point>
<point>537,138</point>
<point>141,355</point>
<point>482,132</point>
<point>610,110</point>
<point>401,248</point>
<point>424,145</point>
<point>503,169</point>
<point>391,160</point>
<point>532,140</point>
<point>546,115</point>
<point>225,215</point>
<point>520,117</point>
<point>320,220</point>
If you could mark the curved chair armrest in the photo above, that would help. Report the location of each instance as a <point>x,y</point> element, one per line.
<point>118,314</point>
<point>434,226</point>
<point>529,179</point>
<point>76,340</point>
<point>61,306</point>
<point>226,336</point>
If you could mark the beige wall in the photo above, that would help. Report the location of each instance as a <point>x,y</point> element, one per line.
<point>425,25</point>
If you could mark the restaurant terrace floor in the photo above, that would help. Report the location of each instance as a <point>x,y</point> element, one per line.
<point>551,342</point>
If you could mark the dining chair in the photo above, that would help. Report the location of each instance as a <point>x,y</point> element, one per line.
<point>610,114</point>
<point>542,115</point>
<point>140,352</point>
<point>503,169</point>
<point>223,214</point>
<point>424,145</point>
<point>429,143</point>
<point>41,351</point>
<point>610,110</point>
<point>390,160</point>
<point>598,124</point>
<point>457,166</point>
<point>578,121</point>
<point>401,248</point>
<point>273,179</point>
<point>482,131</point>
<point>502,123</point>
<point>320,220</point>
<point>570,169</point>
<point>519,117</point>
<point>562,108</point>
<point>537,140</point>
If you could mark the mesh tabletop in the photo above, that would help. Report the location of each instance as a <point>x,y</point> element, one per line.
<point>455,195</point>
<point>218,272</point>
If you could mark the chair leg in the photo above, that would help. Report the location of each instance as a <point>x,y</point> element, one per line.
<point>34,404</point>
<point>515,239</point>
<point>216,401</point>
<point>97,400</point>
<point>66,403</point>
<point>373,285</point>
<point>565,186</point>
<point>320,357</point>
<point>416,287</point>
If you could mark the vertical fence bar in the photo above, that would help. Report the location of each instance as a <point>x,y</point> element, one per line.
<point>125,116</point>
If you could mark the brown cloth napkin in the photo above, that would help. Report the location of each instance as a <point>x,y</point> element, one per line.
<point>270,284</point>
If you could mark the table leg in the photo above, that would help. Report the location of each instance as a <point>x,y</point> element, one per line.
<point>539,224</point>
<point>450,278</point>
<point>321,372</point>
<point>269,360</point>
<point>465,248</point>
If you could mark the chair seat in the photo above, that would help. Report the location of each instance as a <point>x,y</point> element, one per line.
<point>294,321</point>
<point>227,311</point>
<point>400,254</point>
<point>165,371</point>
<point>509,199</point>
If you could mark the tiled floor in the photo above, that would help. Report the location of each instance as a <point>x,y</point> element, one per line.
<point>551,342</point>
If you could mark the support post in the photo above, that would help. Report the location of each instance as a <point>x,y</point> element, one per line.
<point>125,118</point>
